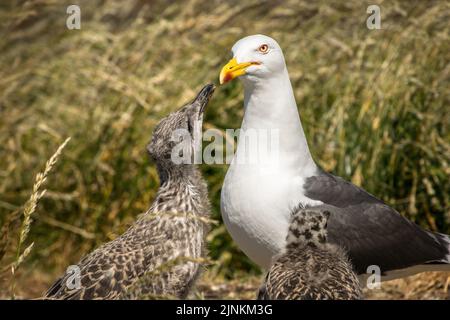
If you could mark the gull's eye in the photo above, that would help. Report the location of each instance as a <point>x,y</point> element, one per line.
<point>263,48</point>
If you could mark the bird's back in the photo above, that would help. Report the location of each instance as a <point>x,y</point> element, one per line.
<point>158,246</point>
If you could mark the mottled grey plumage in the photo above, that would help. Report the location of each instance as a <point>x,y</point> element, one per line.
<point>159,256</point>
<point>310,268</point>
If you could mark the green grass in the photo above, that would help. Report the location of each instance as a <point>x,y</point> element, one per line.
<point>374,104</point>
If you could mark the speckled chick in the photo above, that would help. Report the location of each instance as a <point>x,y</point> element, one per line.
<point>160,255</point>
<point>310,268</point>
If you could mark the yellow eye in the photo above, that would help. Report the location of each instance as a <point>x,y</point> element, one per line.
<point>263,48</point>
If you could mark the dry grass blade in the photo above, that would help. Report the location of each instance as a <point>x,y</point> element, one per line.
<point>22,257</point>
<point>36,195</point>
<point>30,208</point>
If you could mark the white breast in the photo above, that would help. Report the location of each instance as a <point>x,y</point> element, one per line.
<point>256,204</point>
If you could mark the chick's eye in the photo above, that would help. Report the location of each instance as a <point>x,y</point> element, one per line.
<point>263,48</point>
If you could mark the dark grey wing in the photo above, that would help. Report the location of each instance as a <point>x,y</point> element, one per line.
<point>372,232</point>
<point>336,191</point>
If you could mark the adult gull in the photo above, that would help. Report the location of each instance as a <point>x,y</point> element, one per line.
<point>257,197</point>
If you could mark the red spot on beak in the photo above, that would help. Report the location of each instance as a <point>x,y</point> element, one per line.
<point>227,77</point>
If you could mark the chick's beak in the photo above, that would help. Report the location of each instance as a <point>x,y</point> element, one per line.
<point>233,69</point>
<point>204,96</point>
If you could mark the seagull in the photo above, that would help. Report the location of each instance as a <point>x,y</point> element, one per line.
<point>160,255</point>
<point>258,196</point>
<point>310,268</point>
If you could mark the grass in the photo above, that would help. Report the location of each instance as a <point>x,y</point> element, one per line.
<point>28,210</point>
<point>374,104</point>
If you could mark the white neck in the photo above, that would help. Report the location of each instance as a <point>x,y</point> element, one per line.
<point>269,104</point>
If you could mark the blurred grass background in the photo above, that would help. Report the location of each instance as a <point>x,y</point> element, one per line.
<point>374,104</point>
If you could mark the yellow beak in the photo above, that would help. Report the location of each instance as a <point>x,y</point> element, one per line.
<point>233,70</point>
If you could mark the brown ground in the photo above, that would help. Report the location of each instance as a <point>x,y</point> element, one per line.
<point>429,286</point>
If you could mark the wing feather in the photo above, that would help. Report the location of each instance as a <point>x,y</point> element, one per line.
<point>372,232</point>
